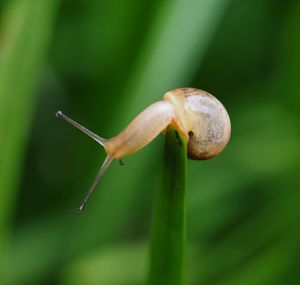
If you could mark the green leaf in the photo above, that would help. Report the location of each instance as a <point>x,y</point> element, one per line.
<point>167,262</point>
<point>24,39</point>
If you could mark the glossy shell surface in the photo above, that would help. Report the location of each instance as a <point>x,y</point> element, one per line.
<point>203,119</point>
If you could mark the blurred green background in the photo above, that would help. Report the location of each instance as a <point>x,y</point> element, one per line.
<point>102,62</point>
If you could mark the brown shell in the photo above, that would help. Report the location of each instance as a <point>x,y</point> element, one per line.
<point>203,119</point>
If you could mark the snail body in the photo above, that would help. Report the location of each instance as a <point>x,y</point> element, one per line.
<point>200,117</point>
<point>142,130</point>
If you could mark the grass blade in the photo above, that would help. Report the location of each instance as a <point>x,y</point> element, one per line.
<point>167,264</point>
<point>24,39</point>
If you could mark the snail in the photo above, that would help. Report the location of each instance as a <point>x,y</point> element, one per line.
<point>200,117</point>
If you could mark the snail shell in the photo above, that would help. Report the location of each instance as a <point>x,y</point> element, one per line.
<point>202,119</point>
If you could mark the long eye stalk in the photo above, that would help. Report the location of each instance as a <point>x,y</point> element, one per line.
<point>102,170</point>
<point>105,164</point>
<point>100,140</point>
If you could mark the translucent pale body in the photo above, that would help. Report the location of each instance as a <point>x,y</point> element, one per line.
<point>199,116</point>
<point>142,130</point>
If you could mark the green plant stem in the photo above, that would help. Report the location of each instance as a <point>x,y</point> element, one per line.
<point>167,257</point>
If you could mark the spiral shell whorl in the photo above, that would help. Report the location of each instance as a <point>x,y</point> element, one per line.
<point>202,119</point>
